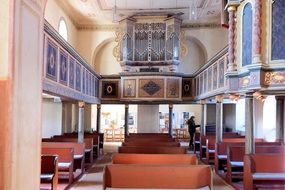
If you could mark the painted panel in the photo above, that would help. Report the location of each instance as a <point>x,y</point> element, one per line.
<point>210,79</point>
<point>172,88</point>
<point>215,76</point>
<point>83,81</point>
<point>205,81</point>
<point>78,77</point>
<point>275,77</point>
<point>63,71</point>
<point>129,88</point>
<point>186,88</point>
<point>221,73</point>
<point>278,30</point>
<point>151,88</point>
<point>51,61</point>
<point>247,35</point>
<point>110,89</point>
<point>71,72</point>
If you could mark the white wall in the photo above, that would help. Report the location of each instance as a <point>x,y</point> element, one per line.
<point>51,118</point>
<point>211,114</point>
<point>212,39</point>
<point>240,115</point>
<point>53,14</point>
<point>104,61</point>
<point>258,112</point>
<point>229,115</point>
<point>269,119</point>
<point>148,119</point>
<point>194,59</point>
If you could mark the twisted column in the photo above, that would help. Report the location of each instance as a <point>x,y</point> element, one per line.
<point>231,38</point>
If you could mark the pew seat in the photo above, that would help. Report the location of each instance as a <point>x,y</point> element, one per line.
<point>157,176</point>
<point>264,171</point>
<point>152,150</point>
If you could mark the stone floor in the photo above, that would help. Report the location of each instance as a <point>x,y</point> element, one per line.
<point>93,178</point>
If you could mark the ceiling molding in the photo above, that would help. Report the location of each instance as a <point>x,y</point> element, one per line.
<point>98,27</point>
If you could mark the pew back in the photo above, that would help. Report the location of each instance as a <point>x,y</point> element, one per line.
<point>152,150</point>
<point>147,143</point>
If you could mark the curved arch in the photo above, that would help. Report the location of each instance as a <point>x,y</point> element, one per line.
<point>62,23</point>
<point>98,48</point>
<point>200,44</point>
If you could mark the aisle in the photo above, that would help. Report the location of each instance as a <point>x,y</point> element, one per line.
<point>93,178</point>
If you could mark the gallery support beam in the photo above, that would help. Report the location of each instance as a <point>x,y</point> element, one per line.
<point>126,121</point>
<point>81,122</point>
<point>249,128</point>
<point>280,119</point>
<point>203,117</point>
<point>219,119</point>
<point>170,130</point>
<point>98,121</point>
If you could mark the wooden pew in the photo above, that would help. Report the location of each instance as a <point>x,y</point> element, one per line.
<point>265,171</point>
<point>154,159</point>
<point>136,135</point>
<point>196,142</point>
<point>236,154</point>
<point>65,160</point>
<point>88,145</point>
<point>150,139</point>
<point>49,170</point>
<point>79,152</point>
<point>157,176</point>
<point>147,143</point>
<point>152,150</point>
<point>221,150</point>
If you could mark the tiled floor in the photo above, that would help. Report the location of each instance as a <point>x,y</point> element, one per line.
<point>93,178</point>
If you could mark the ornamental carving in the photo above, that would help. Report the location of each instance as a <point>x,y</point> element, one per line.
<point>275,77</point>
<point>151,88</point>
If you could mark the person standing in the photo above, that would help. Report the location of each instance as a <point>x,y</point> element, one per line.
<point>191,129</point>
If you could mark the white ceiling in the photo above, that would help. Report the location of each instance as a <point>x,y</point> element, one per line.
<point>86,12</point>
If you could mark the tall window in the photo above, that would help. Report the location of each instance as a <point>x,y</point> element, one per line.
<point>62,28</point>
<point>247,35</point>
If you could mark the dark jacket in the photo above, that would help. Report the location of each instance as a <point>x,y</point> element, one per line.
<point>192,126</point>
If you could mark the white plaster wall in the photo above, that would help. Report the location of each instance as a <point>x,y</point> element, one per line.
<point>148,119</point>
<point>213,39</point>
<point>229,116</point>
<point>193,109</point>
<point>104,61</point>
<point>89,42</point>
<point>240,115</point>
<point>211,114</point>
<point>4,19</point>
<point>194,59</point>
<point>53,14</point>
<point>269,119</point>
<point>258,109</point>
<point>51,119</point>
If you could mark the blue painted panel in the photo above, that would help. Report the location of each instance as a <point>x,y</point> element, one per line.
<point>51,61</point>
<point>247,35</point>
<point>63,71</point>
<point>278,30</point>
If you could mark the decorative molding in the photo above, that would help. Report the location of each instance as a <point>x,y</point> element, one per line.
<point>275,77</point>
<point>98,27</point>
<point>200,25</point>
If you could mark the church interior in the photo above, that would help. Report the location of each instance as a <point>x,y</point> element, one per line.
<point>131,94</point>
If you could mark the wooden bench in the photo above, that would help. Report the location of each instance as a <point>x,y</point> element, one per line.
<point>150,139</point>
<point>221,150</point>
<point>236,154</point>
<point>79,153</point>
<point>152,150</point>
<point>49,170</point>
<point>147,143</point>
<point>264,171</point>
<point>196,142</point>
<point>154,159</point>
<point>65,161</point>
<point>88,146</point>
<point>157,176</point>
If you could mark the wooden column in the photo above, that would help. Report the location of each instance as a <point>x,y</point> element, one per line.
<point>249,128</point>
<point>98,122</point>
<point>203,117</point>
<point>126,121</point>
<point>81,122</point>
<point>66,117</point>
<point>280,118</point>
<point>232,66</point>
<point>170,130</point>
<point>219,119</point>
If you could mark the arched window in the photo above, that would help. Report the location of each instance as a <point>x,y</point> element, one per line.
<point>247,35</point>
<point>62,28</point>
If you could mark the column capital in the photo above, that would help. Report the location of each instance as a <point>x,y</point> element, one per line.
<point>232,7</point>
<point>126,106</point>
<point>170,106</point>
<point>259,96</point>
<point>98,106</point>
<point>279,98</point>
<point>81,104</point>
<point>219,98</point>
<point>202,102</point>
